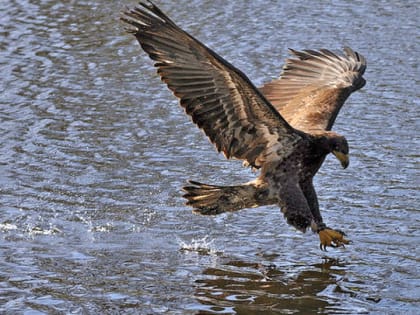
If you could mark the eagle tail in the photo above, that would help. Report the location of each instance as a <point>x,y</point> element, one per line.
<point>211,199</point>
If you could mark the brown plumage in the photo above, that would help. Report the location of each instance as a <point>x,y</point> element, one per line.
<point>283,129</point>
<point>314,85</point>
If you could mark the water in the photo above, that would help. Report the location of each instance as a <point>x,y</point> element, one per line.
<point>94,152</point>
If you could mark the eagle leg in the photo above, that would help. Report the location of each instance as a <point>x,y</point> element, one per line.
<point>333,238</point>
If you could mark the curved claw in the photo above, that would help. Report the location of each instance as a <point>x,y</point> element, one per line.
<point>333,238</point>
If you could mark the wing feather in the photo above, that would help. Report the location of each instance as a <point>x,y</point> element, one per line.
<point>314,85</point>
<point>221,100</point>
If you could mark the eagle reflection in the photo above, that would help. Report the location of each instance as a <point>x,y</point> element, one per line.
<point>251,288</point>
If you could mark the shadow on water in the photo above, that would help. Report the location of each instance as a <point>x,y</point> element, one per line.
<point>251,288</point>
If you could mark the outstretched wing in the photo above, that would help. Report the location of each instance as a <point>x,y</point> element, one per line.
<point>314,85</point>
<point>220,99</point>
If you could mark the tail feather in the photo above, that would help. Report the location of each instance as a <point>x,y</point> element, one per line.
<point>211,199</point>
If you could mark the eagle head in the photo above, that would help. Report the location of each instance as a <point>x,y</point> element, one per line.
<point>334,143</point>
<point>340,148</point>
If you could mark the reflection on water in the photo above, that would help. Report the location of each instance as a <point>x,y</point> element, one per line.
<point>94,151</point>
<point>249,288</point>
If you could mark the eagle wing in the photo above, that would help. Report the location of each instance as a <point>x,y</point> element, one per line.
<point>221,100</point>
<point>314,85</point>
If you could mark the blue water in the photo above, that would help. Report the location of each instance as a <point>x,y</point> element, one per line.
<point>94,151</point>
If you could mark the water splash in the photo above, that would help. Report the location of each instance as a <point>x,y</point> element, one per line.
<point>34,230</point>
<point>202,246</point>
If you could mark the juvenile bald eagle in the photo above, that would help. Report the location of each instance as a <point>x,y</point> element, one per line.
<point>282,129</point>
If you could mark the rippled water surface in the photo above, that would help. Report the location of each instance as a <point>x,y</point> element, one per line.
<point>94,151</point>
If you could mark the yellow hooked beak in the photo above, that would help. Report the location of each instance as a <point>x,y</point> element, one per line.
<point>342,157</point>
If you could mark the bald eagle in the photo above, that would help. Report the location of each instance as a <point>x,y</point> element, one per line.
<point>283,129</point>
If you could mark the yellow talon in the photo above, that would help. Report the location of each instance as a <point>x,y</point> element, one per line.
<point>333,238</point>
